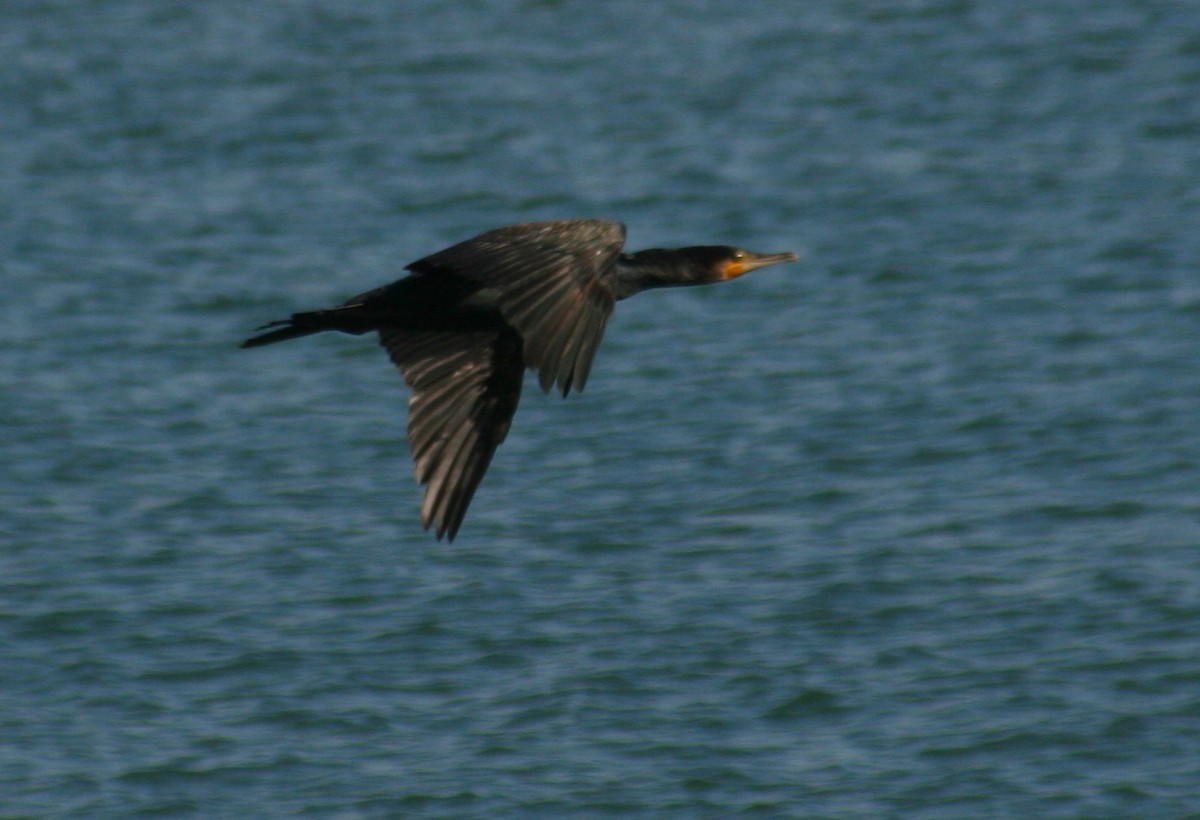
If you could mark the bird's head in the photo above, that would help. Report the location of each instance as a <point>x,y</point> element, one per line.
<point>697,265</point>
<point>722,262</point>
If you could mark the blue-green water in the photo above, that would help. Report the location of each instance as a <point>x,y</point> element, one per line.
<point>908,529</point>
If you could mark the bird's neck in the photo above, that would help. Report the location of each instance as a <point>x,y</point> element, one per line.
<point>644,270</point>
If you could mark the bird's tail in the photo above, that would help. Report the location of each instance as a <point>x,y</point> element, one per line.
<point>304,324</point>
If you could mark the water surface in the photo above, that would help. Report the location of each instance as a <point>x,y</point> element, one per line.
<point>908,529</point>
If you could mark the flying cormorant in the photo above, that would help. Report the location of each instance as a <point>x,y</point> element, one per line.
<point>468,321</point>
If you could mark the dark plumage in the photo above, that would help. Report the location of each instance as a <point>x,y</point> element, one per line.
<point>466,323</point>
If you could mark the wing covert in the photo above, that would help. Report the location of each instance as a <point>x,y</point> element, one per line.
<point>554,282</point>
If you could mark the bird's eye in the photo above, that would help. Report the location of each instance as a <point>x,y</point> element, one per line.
<point>738,256</point>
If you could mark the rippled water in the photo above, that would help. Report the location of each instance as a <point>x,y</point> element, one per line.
<point>908,529</point>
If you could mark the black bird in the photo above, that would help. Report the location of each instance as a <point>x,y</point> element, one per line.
<point>466,323</point>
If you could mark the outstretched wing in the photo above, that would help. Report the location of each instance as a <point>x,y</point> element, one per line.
<point>555,282</point>
<point>466,386</point>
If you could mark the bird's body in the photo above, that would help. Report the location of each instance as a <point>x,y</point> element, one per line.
<point>468,321</point>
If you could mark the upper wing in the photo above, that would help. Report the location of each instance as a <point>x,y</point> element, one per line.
<point>465,390</point>
<point>552,281</point>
